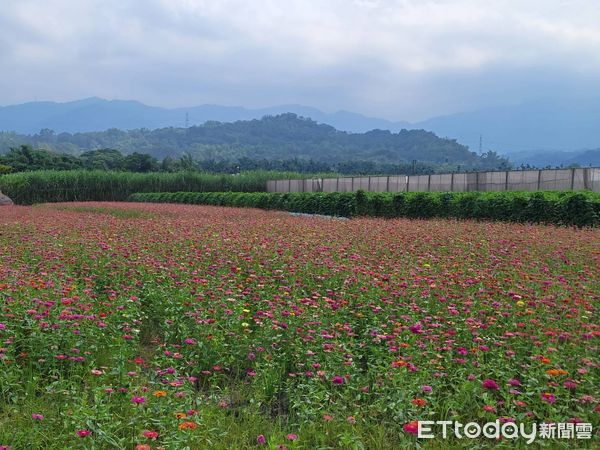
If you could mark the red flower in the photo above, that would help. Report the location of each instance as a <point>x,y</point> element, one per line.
<point>411,427</point>
<point>419,402</point>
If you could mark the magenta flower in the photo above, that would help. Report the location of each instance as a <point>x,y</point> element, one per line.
<point>426,389</point>
<point>338,380</point>
<point>548,397</point>
<point>36,416</point>
<point>416,328</point>
<point>514,382</point>
<point>411,427</point>
<point>138,400</point>
<point>260,439</point>
<point>292,437</point>
<point>490,384</point>
<point>83,433</point>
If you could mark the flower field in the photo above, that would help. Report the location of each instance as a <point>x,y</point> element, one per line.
<point>175,326</point>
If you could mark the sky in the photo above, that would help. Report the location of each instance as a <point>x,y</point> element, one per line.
<point>396,59</point>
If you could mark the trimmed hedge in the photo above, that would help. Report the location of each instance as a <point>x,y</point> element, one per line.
<point>561,208</point>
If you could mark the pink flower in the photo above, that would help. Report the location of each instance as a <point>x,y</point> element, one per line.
<point>490,384</point>
<point>292,437</point>
<point>150,434</point>
<point>83,433</point>
<point>338,380</point>
<point>426,389</point>
<point>548,397</point>
<point>260,439</point>
<point>514,382</point>
<point>138,400</point>
<point>416,328</point>
<point>411,427</point>
<point>36,416</point>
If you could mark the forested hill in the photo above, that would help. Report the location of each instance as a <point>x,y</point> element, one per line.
<point>280,137</point>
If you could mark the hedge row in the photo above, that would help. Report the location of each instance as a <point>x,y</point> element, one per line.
<point>43,186</point>
<point>563,208</point>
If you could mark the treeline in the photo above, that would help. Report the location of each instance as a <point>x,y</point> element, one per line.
<point>562,208</point>
<point>26,188</point>
<point>25,158</point>
<point>272,138</point>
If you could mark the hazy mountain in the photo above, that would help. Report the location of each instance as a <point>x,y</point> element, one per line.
<point>555,159</point>
<point>542,126</point>
<point>534,130</point>
<point>95,114</point>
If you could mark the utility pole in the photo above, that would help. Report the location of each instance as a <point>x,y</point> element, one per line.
<point>187,120</point>
<point>480,144</point>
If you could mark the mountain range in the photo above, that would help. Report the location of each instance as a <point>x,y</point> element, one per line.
<point>544,132</point>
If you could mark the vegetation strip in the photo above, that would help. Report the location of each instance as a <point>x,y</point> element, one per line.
<point>45,186</point>
<point>561,208</point>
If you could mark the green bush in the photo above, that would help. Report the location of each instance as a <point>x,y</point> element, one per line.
<point>571,208</point>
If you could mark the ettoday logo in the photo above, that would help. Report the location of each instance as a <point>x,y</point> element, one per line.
<point>509,430</point>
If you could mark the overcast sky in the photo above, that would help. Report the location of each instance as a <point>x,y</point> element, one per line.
<point>398,59</point>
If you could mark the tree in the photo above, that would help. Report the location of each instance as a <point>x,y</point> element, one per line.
<point>140,162</point>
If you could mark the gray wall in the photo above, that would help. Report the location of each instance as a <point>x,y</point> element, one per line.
<point>513,180</point>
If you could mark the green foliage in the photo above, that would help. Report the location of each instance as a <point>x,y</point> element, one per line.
<point>253,144</point>
<point>27,188</point>
<point>26,158</point>
<point>562,208</point>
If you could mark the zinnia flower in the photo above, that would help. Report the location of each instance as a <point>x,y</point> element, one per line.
<point>548,397</point>
<point>411,427</point>
<point>188,426</point>
<point>260,439</point>
<point>150,434</point>
<point>490,384</point>
<point>337,380</point>
<point>83,433</point>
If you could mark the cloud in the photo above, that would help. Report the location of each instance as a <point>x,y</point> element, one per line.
<point>404,59</point>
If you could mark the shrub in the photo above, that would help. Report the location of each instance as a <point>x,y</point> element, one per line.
<point>580,208</point>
